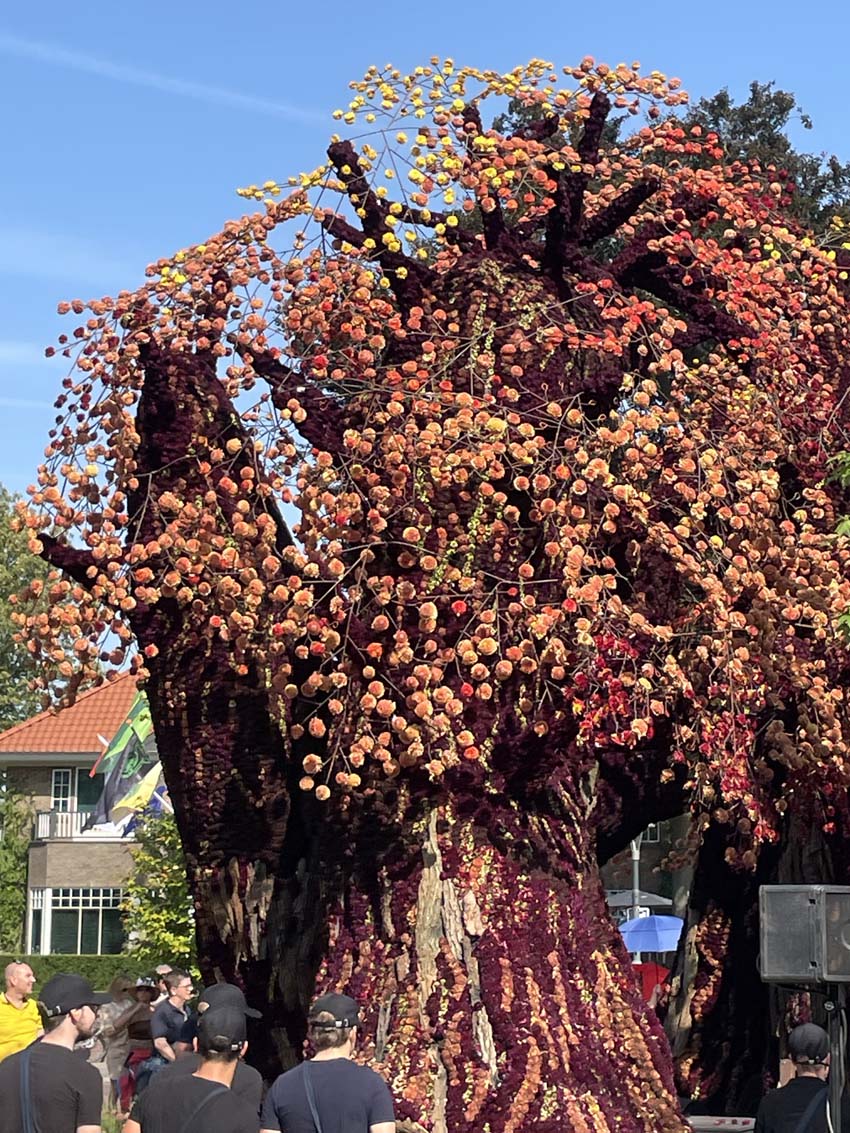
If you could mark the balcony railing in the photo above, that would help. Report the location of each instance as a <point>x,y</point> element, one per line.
<point>68,824</point>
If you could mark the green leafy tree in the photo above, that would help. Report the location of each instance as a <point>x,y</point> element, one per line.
<point>15,831</point>
<point>756,131</point>
<point>158,914</point>
<point>17,568</point>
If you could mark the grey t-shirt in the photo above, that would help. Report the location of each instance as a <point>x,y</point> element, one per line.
<point>349,1098</point>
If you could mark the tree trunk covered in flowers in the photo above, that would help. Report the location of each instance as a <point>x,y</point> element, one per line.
<point>564,564</point>
<point>494,986</point>
<point>475,934</point>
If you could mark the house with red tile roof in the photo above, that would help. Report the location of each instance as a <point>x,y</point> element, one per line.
<point>75,876</point>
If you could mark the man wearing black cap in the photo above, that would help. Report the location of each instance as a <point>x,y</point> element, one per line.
<point>801,1105</point>
<point>329,1092</point>
<point>247,1083</point>
<point>47,1087</point>
<point>204,1100</point>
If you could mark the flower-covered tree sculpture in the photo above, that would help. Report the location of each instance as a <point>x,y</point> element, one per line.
<point>563,562</point>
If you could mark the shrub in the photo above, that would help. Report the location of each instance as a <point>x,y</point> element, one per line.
<point>100,970</point>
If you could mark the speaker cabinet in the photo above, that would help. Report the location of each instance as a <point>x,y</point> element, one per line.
<point>805,933</point>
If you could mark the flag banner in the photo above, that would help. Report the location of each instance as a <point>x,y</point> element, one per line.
<point>156,804</point>
<point>129,759</point>
<point>137,725</point>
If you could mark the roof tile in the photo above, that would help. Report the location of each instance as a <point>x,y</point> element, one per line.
<point>99,712</point>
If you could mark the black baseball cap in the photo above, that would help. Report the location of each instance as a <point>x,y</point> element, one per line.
<point>808,1043</point>
<point>66,992</point>
<point>226,995</point>
<point>342,1007</point>
<point>221,1029</point>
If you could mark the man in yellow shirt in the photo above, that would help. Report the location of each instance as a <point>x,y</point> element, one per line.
<point>20,1022</point>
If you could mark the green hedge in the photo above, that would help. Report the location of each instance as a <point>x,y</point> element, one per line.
<point>99,970</point>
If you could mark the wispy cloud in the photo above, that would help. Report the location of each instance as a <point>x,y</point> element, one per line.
<point>14,353</point>
<point>32,253</point>
<point>24,403</point>
<point>56,56</point>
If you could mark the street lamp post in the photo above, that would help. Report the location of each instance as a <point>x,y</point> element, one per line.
<point>635,847</point>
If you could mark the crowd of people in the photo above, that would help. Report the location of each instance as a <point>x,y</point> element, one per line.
<point>172,1068</point>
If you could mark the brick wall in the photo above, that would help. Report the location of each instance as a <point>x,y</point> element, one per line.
<point>82,863</point>
<point>34,783</point>
<point>37,871</point>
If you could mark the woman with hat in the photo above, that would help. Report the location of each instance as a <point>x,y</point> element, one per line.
<point>136,1020</point>
<point>115,1039</point>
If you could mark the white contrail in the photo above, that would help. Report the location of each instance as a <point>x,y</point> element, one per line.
<point>32,253</point>
<point>24,403</point>
<point>122,73</point>
<point>15,353</point>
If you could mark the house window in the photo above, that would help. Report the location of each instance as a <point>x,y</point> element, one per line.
<point>61,791</point>
<point>652,833</point>
<point>89,789</point>
<point>86,921</point>
<point>36,920</point>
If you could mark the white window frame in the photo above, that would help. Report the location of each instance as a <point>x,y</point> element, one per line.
<point>38,903</point>
<point>652,834</point>
<point>55,791</point>
<point>80,899</point>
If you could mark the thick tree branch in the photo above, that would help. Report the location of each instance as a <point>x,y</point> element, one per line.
<point>336,226</point>
<point>324,424</point>
<point>588,153</point>
<point>182,389</point>
<point>373,212</point>
<point>637,254</point>
<point>428,219</point>
<point>608,220</point>
<point>556,242</point>
<point>340,229</point>
<point>564,220</point>
<point>664,285</point>
<point>76,562</point>
<point>492,220</point>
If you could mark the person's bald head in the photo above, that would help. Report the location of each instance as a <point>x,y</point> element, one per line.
<point>19,978</point>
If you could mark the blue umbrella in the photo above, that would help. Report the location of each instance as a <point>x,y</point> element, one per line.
<point>652,934</point>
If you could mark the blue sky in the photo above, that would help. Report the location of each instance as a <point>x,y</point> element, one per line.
<point>127,127</point>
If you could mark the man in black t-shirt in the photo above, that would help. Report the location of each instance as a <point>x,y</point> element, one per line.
<point>167,1023</point>
<point>189,1103</point>
<point>247,1082</point>
<point>343,1094</point>
<point>171,1015</point>
<point>65,1092</point>
<point>781,1111</point>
